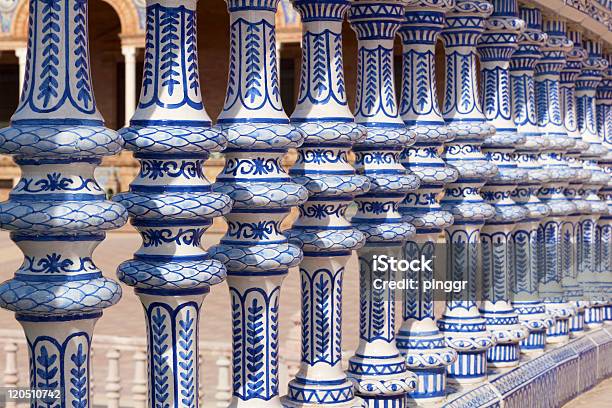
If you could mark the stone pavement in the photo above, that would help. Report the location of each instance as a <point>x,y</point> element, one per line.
<point>598,397</point>
<point>126,318</point>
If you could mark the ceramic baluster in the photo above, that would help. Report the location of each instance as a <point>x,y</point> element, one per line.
<point>377,370</point>
<point>255,252</point>
<point>604,224</point>
<point>57,213</point>
<point>321,230</point>
<point>419,339</point>
<point>571,227</point>
<point>551,127</point>
<point>170,202</point>
<point>496,46</point>
<point>586,86</point>
<point>463,327</point>
<point>527,260</point>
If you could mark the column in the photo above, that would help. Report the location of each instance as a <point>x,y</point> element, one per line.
<point>551,127</point>
<point>57,213</point>
<point>589,276</point>
<point>571,229</point>
<point>321,230</point>
<point>463,327</point>
<point>170,202</point>
<point>377,370</point>
<point>419,339</point>
<point>21,54</point>
<point>496,46</point>
<point>255,252</point>
<point>527,260</point>
<point>129,57</point>
<point>604,224</point>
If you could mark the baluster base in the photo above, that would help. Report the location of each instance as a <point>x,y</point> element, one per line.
<point>534,343</point>
<point>427,356</point>
<point>593,316</point>
<point>576,323</point>
<point>311,393</point>
<point>398,401</point>
<point>532,315</point>
<point>504,325</point>
<point>558,333</point>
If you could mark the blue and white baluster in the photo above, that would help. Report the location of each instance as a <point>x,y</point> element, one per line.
<point>321,230</point>
<point>551,127</point>
<point>495,47</point>
<point>57,213</point>
<point>255,252</point>
<point>570,229</point>
<point>527,259</point>
<point>419,339</point>
<point>377,369</point>
<point>170,202</point>
<point>463,327</point>
<point>604,224</point>
<point>586,86</point>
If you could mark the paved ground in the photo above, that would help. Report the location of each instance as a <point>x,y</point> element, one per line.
<point>598,397</point>
<point>126,319</point>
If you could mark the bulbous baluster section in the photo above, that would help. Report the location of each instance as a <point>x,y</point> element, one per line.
<point>527,259</point>
<point>551,127</point>
<point>463,327</point>
<point>171,203</point>
<point>419,339</point>
<point>586,86</point>
<point>604,224</point>
<point>57,213</point>
<point>495,47</point>
<point>255,252</point>
<point>571,228</point>
<point>321,230</point>
<point>377,370</point>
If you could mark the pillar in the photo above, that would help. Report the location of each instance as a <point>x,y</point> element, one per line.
<point>129,57</point>
<point>463,327</point>
<point>377,369</point>
<point>552,192</point>
<point>57,213</point>
<point>321,230</point>
<point>527,259</point>
<point>419,339</point>
<point>495,47</point>
<point>604,224</point>
<point>586,86</point>
<point>21,54</point>
<point>571,235</point>
<point>255,252</point>
<point>170,202</point>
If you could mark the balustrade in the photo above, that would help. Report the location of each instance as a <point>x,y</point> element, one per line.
<point>419,339</point>
<point>552,192</point>
<point>463,327</point>
<point>496,45</point>
<point>528,257</point>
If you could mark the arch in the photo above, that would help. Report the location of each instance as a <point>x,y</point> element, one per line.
<point>125,9</point>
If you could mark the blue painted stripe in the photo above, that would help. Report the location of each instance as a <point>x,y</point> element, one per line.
<point>57,122</point>
<point>22,277</point>
<point>174,123</point>
<point>171,258</point>
<point>173,292</point>
<point>64,238</point>
<point>56,318</point>
<point>170,222</point>
<point>57,197</point>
